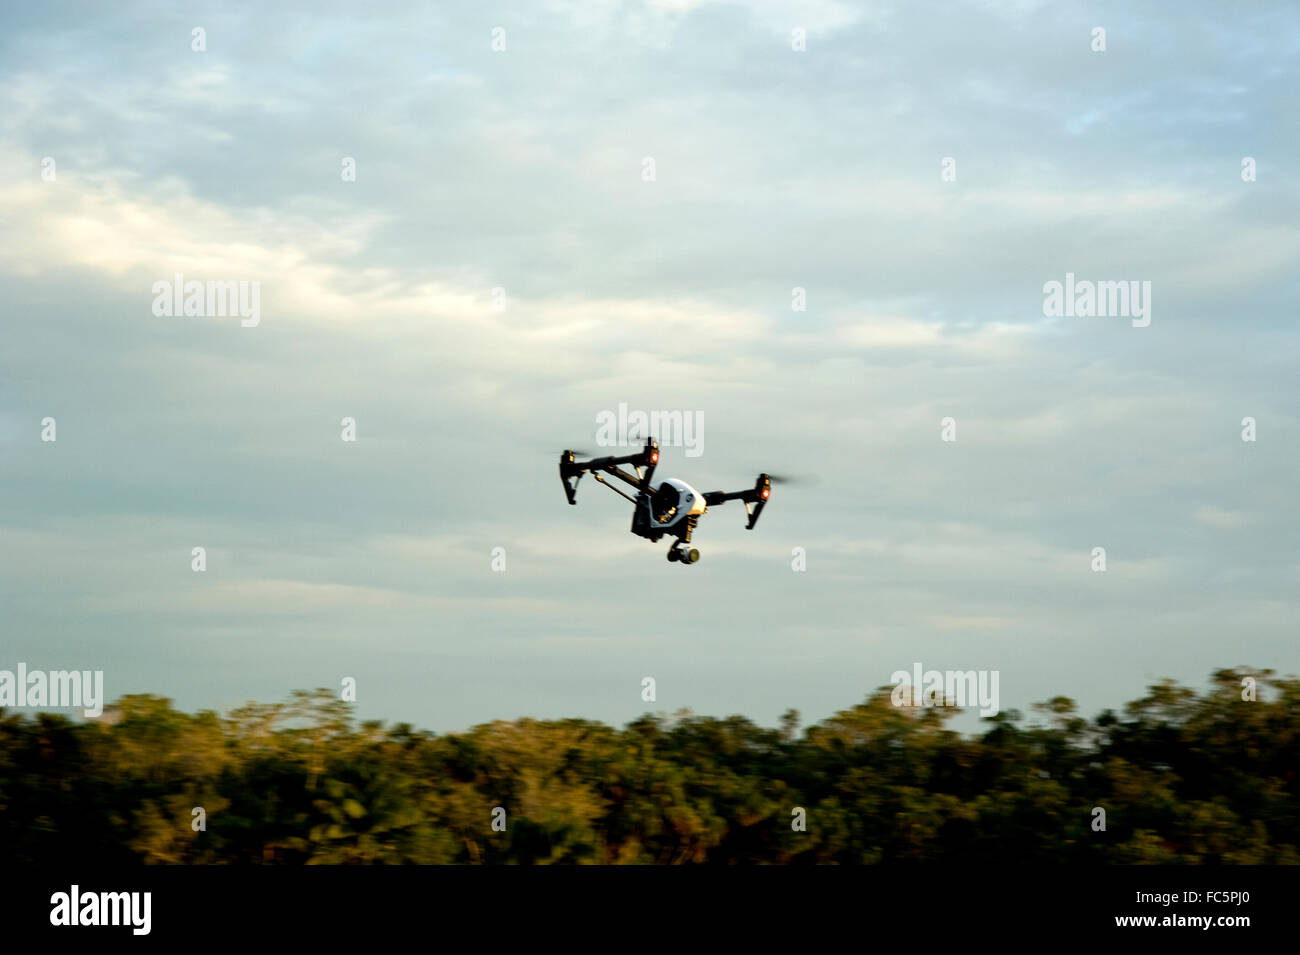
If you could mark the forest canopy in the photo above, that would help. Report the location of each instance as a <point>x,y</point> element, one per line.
<point>1180,776</point>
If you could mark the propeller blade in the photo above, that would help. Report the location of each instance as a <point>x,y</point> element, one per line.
<point>577,452</point>
<point>789,479</point>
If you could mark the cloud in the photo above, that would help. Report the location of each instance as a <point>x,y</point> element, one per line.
<point>1221,519</point>
<point>521,171</point>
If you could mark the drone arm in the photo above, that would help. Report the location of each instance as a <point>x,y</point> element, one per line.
<point>755,498</point>
<point>571,470</point>
<point>712,498</point>
<point>618,473</point>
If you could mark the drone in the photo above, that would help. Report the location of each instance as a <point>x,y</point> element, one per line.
<point>667,508</point>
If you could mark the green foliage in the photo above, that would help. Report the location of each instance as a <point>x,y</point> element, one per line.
<point>1183,777</point>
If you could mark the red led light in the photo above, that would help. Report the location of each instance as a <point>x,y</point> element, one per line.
<point>654,457</point>
<point>766,492</point>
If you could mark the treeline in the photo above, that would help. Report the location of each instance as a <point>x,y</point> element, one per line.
<point>1182,777</point>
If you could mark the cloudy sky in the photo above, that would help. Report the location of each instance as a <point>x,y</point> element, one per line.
<point>523,169</point>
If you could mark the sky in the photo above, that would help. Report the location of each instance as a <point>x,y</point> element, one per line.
<point>503,269</point>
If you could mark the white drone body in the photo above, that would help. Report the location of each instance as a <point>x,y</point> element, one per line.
<point>673,501</point>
